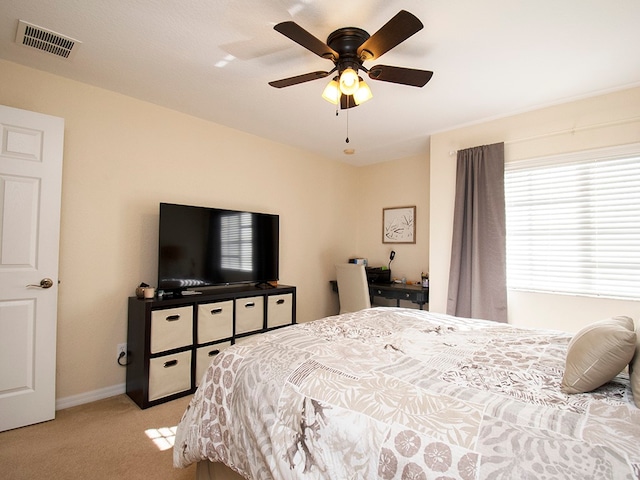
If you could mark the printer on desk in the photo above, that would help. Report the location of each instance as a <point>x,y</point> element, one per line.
<point>378,275</point>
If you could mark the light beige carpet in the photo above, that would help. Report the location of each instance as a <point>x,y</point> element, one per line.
<point>108,439</point>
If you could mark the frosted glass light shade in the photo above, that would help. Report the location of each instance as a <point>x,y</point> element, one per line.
<point>349,81</point>
<point>363,93</point>
<point>331,92</point>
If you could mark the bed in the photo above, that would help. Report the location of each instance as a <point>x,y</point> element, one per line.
<point>394,393</point>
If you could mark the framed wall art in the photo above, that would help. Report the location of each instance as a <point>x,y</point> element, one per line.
<point>399,225</point>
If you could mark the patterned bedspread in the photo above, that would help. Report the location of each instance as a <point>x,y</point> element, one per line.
<point>393,393</point>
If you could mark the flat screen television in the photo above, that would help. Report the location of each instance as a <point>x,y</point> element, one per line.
<point>205,247</point>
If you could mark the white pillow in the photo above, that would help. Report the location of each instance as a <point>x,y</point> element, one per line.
<point>597,353</point>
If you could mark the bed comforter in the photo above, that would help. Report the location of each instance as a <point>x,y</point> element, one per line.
<point>393,393</point>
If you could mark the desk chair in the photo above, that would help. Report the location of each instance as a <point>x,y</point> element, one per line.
<point>353,290</point>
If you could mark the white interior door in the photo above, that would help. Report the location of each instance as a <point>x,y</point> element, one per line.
<point>30,187</point>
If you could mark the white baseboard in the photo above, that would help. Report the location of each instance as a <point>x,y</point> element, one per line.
<point>88,397</point>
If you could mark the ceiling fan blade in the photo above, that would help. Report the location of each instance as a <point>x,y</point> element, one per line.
<point>299,35</point>
<point>307,77</point>
<point>392,33</point>
<point>404,76</point>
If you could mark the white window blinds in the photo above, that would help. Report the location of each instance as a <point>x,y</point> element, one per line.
<point>573,223</point>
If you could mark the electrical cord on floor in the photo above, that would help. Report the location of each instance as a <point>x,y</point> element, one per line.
<point>122,354</point>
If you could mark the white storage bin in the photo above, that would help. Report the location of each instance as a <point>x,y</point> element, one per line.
<point>215,321</point>
<point>169,374</point>
<point>249,314</point>
<point>279,310</point>
<point>171,328</point>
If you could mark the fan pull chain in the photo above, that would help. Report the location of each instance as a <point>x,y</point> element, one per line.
<point>347,139</point>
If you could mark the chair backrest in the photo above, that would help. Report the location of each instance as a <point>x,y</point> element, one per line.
<point>353,289</point>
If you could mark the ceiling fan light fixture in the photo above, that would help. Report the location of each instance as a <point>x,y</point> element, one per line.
<point>331,92</point>
<point>349,81</point>
<point>363,93</point>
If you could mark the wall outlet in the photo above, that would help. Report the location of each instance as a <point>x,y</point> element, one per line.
<point>122,348</point>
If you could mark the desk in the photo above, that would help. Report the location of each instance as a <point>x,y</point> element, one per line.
<point>395,291</point>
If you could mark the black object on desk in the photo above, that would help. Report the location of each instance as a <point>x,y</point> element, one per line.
<point>378,275</point>
<point>396,291</point>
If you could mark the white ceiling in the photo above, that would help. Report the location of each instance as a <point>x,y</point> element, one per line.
<point>213,59</point>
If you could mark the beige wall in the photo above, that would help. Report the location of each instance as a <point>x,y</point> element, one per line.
<point>123,156</point>
<point>395,184</point>
<point>611,119</point>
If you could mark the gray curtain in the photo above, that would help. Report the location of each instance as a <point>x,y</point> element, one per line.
<point>477,278</point>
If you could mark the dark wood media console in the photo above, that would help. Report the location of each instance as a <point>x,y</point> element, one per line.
<point>171,341</point>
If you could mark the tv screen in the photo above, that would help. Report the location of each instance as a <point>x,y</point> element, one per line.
<point>202,247</point>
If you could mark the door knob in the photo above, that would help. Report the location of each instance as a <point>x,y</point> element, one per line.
<point>44,283</point>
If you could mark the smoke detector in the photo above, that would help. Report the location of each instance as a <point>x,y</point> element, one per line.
<point>46,40</point>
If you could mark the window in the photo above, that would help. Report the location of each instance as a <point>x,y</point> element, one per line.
<point>573,223</point>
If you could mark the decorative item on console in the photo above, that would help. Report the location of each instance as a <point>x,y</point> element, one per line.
<point>145,291</point>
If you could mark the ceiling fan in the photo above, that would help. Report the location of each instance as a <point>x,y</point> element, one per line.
<point>348,48</point>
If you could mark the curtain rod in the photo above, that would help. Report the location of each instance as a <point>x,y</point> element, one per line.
<point>567,131</point>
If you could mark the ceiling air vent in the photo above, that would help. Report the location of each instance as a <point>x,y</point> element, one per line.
<point>46,40</point>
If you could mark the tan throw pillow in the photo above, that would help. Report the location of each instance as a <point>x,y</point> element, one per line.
<point>627,322</point>
<point>597,353</point>
<point>634,370</point>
